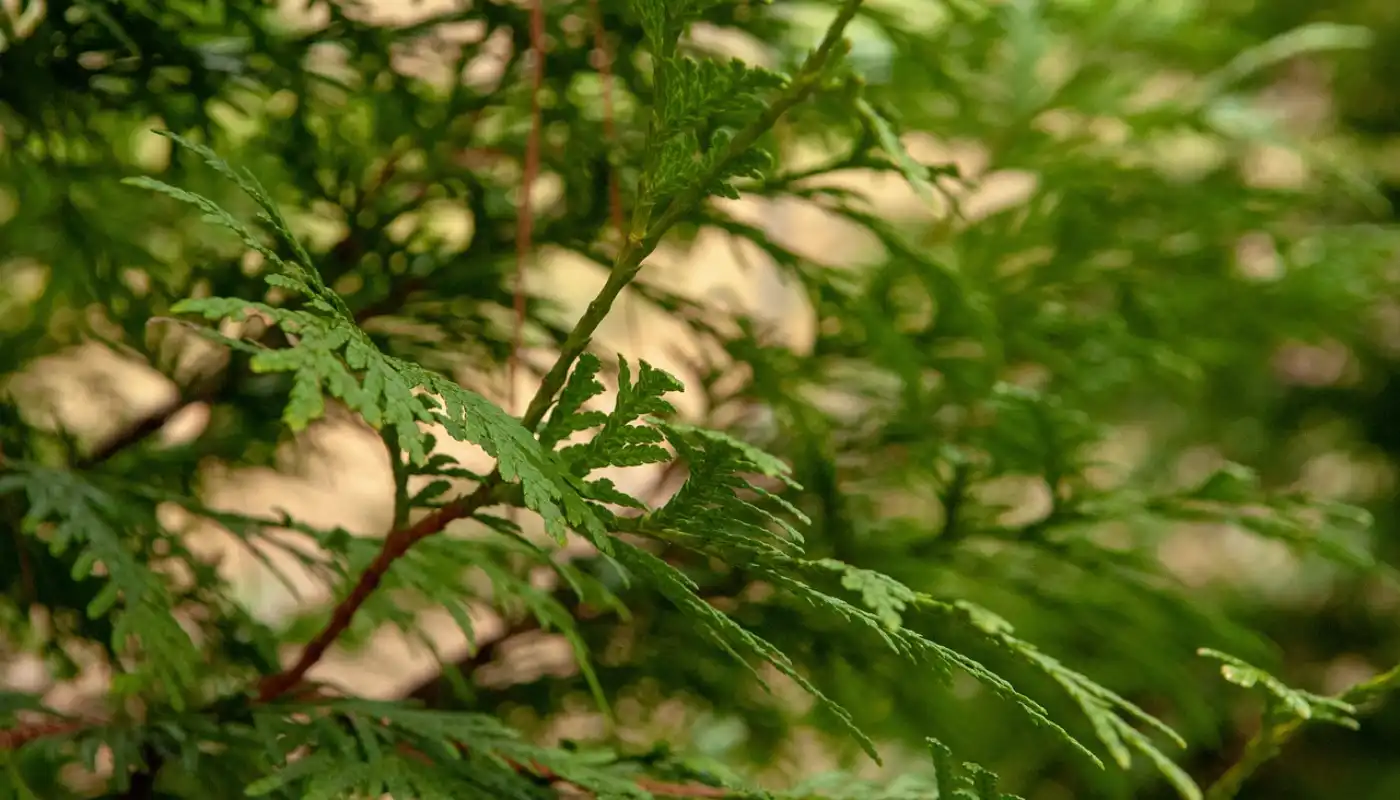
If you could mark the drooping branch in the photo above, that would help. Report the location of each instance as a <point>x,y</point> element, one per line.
<point>525,216</point>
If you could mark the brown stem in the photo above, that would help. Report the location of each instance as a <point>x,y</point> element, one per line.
<point>17,737</point>
<point>395,545</point>
<point>525,218</point>
<point>615,212</point>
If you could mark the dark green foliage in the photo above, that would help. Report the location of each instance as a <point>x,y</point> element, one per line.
<point>856,516</point>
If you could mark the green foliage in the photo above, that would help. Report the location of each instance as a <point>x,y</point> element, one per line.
<point>332,356</point>
<point>1301,704</point>
<point>67,511</point>
<point>860,516</point>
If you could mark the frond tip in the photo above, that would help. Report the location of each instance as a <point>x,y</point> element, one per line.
<point>332,356</point>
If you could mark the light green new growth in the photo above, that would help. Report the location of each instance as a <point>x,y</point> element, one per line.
<point>1282,698</point>
<point>1287,711</point>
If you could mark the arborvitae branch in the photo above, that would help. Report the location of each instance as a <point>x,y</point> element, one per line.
<point>1271,739</point>
<point>917,345</point>
<point>395,545</point>
<point>640,243</point>
<point>209,388</point>
<point>625,267</point>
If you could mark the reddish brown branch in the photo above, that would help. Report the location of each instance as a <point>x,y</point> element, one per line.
<point>395,545</point>
<point>525,217</point>
<point>605,63</point>
<point>19,736</point>
<point>398,542</point>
